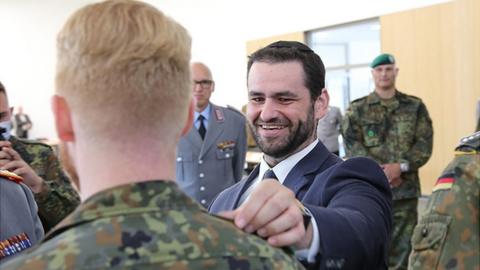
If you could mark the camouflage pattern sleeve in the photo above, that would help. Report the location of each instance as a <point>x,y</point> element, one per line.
<point>421,149</point>
<point>352,135</point>
<point>447,236</point>
<point>58,198</point>
<point>150,225</point>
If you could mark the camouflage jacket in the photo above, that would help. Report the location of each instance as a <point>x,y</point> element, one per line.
<point>58,198</point>
<point>390,132</point>
<point>447,236</point>
<point>149,225</point>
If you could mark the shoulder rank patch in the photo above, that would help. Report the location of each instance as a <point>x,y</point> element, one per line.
<point>219,115</point>
<point>11,176</point>
<point>14,244</point>
<point>445,182</point>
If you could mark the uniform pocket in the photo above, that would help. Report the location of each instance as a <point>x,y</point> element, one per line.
<point>428,239</point>
<point>373,133</point>
<point>183,166</point>
<point>227,153</point>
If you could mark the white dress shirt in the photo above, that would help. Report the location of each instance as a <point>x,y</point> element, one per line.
<point>281,170</point>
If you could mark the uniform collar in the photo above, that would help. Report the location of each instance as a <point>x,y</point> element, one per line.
<point>149,196</point>
<point>283,168</point>
<point>205,113</point>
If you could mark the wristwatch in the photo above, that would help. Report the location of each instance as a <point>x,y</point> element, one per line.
<point>307,216</point>
<point>404,167</point>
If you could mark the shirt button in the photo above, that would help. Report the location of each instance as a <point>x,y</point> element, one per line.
<point>203,201</point>
<point>201,175</point>
<point>179,159</point>
<point>200,161</point>
<point>202,188</point>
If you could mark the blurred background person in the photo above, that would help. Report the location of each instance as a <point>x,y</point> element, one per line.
<point>328,129</point>
<point>211,156</point>
<point>20,226</point>
<point>22,123</point>
<point>38,165</point>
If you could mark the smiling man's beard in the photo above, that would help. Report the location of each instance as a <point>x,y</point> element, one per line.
<point>283,147</point>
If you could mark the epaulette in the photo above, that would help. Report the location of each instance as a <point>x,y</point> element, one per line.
<point>32,142</point>
<point>359,99</point>
<point>469,144</point>
<point>11,176</point>
<point>231,108</point>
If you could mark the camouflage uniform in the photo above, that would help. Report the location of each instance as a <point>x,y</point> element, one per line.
<point>398,130</point>
<point>447,236</point>
<point>149,225</point>
<point>58,198</point>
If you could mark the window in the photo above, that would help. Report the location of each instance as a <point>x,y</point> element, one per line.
<point>347,51</point>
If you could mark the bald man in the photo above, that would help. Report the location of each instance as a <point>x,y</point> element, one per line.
<point>211,156</point>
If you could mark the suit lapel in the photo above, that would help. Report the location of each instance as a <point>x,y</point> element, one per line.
<point>241,188</point>
<point>304,171</point>
<point>194,138</point>
<point>216,125</point>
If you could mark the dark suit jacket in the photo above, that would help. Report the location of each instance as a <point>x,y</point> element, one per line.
<point>350,201</point>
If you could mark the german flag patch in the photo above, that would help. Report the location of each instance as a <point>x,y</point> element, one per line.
<point>445,182</point>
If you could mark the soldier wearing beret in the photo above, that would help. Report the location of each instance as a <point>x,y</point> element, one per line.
<point>20,226</point>
<point>133,215</point>
<point>38,164</point>
<point>448,236</point>
<point>394,129</point>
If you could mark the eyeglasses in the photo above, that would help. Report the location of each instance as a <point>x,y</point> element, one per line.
<point>204,84</point>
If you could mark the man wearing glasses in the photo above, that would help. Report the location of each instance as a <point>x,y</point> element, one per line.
<point>211,156</point>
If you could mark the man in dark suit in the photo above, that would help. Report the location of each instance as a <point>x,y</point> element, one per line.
<point>336,214</point>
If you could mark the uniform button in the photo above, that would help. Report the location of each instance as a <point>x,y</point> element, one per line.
<point>227,155</point>
<point>202,188</point>
<point>201,175</point>
<point>200,161</point>
<point>203,201</point>
<point>179,159</point>
<point>424,232</point>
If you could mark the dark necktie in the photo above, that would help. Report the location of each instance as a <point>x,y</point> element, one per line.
<point>201,129</point>
<point>269,174</point>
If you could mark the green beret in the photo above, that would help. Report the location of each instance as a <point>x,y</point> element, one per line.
<point>383,59</point>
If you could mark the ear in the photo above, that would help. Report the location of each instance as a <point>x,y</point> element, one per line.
<point>189,122</point>
<point>321,104</point>
<point>63,119</point>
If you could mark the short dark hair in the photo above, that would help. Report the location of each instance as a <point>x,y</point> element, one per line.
<point>285,51</point>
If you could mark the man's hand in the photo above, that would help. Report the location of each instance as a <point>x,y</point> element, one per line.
<point>272,212</point>
<point>395,182</point>
<point>10,160</point>
<point>393,173</point>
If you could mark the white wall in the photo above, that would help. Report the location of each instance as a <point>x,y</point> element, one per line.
<point>219,29</point>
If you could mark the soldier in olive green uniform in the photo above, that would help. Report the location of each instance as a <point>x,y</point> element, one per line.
<point>39,166</point>
<point>447,236</point>
<point>133,215</point>
<point>150,225</point>
<point>395,130</point>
